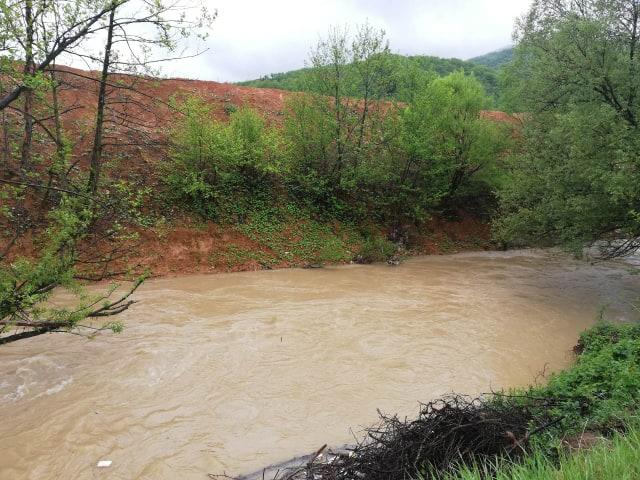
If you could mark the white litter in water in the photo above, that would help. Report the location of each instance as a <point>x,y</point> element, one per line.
<point>104,463</point>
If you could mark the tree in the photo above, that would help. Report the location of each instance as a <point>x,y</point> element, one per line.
<point>131,46</point>
<point>353,73</point>
<point>78,214</point>
<point>25,24</point>
<point>336,128</point>
<point>446,141</point>
<point>576,179</point>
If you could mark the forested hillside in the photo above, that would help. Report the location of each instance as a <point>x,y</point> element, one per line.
<point>494,59</point>
<point>405,73</point>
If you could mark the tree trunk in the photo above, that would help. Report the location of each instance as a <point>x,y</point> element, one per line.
<point>338,113</point>
<point>57,165</point>
<point>60,143</point>
<point>5,141</point>
<point>633,42</point>
<point>29,71</point>
<point>96,153</point>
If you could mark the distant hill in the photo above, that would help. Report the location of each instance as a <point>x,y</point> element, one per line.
<point>403,75</point>
<point>495,59</point>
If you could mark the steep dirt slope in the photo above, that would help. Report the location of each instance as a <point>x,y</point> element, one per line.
<point>139,119</point>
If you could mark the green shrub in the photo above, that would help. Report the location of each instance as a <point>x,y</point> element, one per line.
<point>451,150</point>
<point>230,108</point>
<point>218,169</point>
<point>375,249</point>
<point>603,386</point>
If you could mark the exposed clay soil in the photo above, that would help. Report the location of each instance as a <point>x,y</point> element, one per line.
<point>182,245</point>
<point>186,248</point>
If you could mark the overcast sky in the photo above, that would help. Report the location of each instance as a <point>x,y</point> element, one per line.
<point>251,38</point>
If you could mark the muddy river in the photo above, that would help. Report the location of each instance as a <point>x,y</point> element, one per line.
<point>229,373</point>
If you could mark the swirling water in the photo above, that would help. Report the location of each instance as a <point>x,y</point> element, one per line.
<point>229,373</point>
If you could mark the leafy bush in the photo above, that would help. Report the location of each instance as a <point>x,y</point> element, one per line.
<point>217,169</point>
<point>448,145</point>
<point>603,386</point>
<point>376,249</point>
<point>308,128</point>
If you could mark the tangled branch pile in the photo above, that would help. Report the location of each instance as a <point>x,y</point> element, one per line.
<point>448,432</point>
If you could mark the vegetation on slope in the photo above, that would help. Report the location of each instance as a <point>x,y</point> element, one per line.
<point>338,157</point>
<point>495,59</point>
<point>404,74</point>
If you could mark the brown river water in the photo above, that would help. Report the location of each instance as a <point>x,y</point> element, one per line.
<point>229,373</point>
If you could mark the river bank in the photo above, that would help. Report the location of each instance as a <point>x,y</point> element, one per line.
<point>185,246</point>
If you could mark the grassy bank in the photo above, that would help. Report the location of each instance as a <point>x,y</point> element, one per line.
<point>288,235</point>
<point>616,458</point>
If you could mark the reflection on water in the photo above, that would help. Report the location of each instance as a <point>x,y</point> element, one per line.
<point>234,372</point>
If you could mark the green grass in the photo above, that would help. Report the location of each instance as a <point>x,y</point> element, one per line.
<point>616,459</point>
<point>234,255</point>
<point>295,235</point>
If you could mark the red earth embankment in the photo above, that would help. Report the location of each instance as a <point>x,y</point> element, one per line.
<point>137,124</point>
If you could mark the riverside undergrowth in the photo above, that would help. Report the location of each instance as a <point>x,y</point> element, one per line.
<point>288,234</point>
<point>597,397</point>
<point>616,458</point>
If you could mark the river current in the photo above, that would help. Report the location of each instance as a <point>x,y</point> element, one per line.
<point>229,373</point>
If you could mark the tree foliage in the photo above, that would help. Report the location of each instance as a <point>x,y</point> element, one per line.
<point>447,142</point>
<point>344,150</point>
<point>576,74</point>
<point>406,73</point>
<point>495,59</point>
<point>63,223</point>
<point>339,142</point>
<point>218,167</point>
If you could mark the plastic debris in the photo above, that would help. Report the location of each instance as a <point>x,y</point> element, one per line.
<point>104,463</point>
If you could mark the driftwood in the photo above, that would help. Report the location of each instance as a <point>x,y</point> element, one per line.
<point>448,432</point>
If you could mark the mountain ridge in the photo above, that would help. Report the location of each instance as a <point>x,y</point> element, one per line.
<point>495,59</point>
<point>404,67</point>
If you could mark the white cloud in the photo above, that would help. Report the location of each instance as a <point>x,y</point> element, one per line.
<point>251,38</point>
